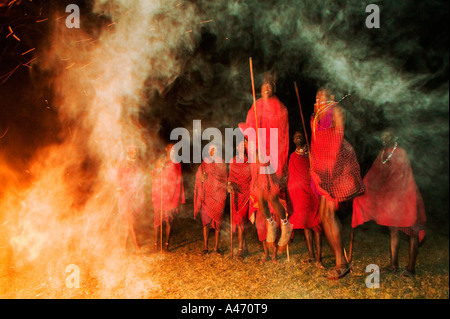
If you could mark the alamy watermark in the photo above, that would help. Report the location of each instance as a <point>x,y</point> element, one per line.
<point>373,280</point>
<point>73,19</point>
<point>73,279</point>
<point>373,19</point>
<point>267,139</point>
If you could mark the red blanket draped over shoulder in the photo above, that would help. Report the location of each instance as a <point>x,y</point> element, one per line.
<point>271,113</point>
<point>240,178</point>
<point>302,202</point>
<point>130,179</point>
<point>211,195</point>
<point>172,195</point>
<point>392,197</point>
<point>335,169</point>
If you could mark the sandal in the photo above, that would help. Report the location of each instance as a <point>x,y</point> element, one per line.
<point>240,256</point>
<point>320,265</point>
<point>263,260</point>
<point>307,261</point>
<point>338,273</point>
<point>408,274</point>
<point>203,252</point>
<point>218,252</point>
<point>389,269</point>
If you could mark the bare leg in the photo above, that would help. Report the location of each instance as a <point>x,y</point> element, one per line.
<point>413,251</point>
<point>275,203</point>
<point>242,245</point>
<point>216,246</point>
<point>318,241</point>
<point>156,233</point>
<point>205,237</point>
<point>394,246</point>
<point>266,252</point>
<point>168,228</point>
<point>332,228</point>
<point>309,244</point>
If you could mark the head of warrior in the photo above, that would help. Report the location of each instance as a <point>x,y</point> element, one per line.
<point>388,137</point>
<point>299,139</point>
<point>323,97</point>
<point>132,151</point>
<point>268,88</point>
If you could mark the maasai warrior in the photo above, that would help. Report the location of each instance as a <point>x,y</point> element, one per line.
<point>167,193</point>
<point>131,193</point>
<point>302,201</point>
<point>269,173</point>
<point>239,179</point>
<point>335,173</point>
<point>210,196</point>
<point>393,199</point>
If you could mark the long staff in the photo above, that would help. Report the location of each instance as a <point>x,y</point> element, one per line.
<point>161,211</point>
<point>303,122</point>
<point>231,223</point>
<point>254,108</point>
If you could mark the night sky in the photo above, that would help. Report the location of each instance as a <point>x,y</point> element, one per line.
<point>397,75</point>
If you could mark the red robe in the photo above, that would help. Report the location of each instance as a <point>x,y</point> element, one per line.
<point>131,180</point>
<point>271,113</point>
<point>302,202</point>
<point>240,178</point>
<point>211,195</point>
<point>392,197</point>
<point>335,169</point>
<point>172,190</point>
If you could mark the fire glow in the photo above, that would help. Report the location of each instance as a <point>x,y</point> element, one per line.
<point>56,219</point>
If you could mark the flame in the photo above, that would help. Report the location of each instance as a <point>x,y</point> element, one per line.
<point>66,212</point>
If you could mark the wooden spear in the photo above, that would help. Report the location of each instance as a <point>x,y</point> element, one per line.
<point>231,223</point>
<point>303,122</point>
<point>161,213</point>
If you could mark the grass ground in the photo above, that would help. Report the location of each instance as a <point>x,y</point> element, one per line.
<point>182,274</point>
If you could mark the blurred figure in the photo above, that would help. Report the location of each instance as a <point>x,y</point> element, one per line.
<point>393,199</point>
<point>302,201</point>
<point>335,173</point>
<point>210,195</point>
<point>131,194</point>
<point>239,179</point>
<point>167,194</point>
<point>269,173</point>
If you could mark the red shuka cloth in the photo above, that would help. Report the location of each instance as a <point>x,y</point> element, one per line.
<point>271,113</point>
<point>172,196</point>
<point>240,178</point>
<point>335,169</point>
<point>211,195</point>
<point>130,179</point>
<point>302,203</point>
<point>392,197</point>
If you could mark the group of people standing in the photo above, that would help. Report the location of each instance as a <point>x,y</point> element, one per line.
<point>302,190</point>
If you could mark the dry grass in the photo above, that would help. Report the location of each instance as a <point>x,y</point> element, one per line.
<point>181,274</point>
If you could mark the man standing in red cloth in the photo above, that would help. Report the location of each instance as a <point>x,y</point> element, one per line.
<point>393,199</point>
<point>335,173</point>
<point>131,193</point>
<point>302,201</point>
<point>239,179</point>
<point>167,193</point>
<point>269,173</point>
<point>210,195</point>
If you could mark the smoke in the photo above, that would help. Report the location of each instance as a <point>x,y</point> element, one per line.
<point>99,76</point>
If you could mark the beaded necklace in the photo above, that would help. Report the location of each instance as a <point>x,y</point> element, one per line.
<point>389,156</point>
<point>302,151</point>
